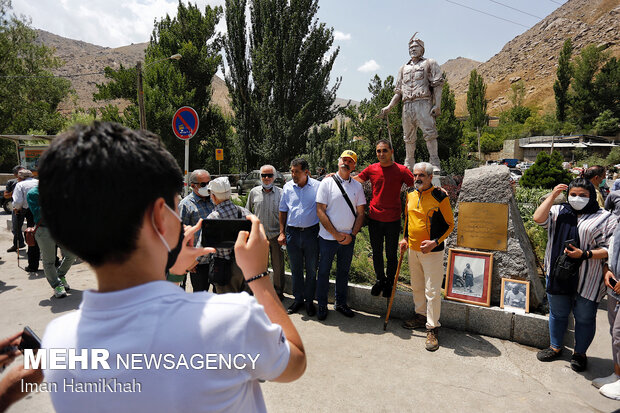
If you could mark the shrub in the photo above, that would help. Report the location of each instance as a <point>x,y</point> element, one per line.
<point>546,172</point>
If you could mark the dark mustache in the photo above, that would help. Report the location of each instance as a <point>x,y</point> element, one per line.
<point>344,165</point>
<point>419,182</point>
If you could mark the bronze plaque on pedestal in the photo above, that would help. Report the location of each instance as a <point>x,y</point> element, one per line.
<point>482,225</point>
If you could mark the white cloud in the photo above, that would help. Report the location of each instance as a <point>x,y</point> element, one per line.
<point>369,66</point>
<point>341,36</point>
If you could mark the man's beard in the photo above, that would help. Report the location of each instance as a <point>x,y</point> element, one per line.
<point>418,184</point>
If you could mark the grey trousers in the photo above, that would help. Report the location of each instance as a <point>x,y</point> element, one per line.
<point>47,245</point>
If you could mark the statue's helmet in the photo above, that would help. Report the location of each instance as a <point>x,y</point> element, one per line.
<point>416,40</point>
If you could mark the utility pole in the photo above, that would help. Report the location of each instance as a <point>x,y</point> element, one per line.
<point>141,96</point>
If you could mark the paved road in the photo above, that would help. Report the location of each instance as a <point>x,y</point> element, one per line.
<point>353,366</point>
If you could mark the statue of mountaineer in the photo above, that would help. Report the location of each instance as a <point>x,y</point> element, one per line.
<point>418,85</point>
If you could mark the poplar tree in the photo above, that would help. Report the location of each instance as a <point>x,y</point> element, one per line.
<point>561,85</point>
<point>278,76</point>
<point>477,103</point>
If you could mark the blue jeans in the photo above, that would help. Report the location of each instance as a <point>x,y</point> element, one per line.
<point>303,248</point>
<point>584,312</point>
<point>328,249</point>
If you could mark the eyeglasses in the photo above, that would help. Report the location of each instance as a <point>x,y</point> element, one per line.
<point>266,175</point>
<point>201,184</point>
<point>382,150</point>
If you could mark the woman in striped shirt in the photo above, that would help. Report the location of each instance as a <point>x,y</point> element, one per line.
<point>588,228</point>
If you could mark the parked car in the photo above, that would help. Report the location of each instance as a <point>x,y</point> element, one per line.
<point>7,203</point>
<point>287,176</point>
<point>524,165</point>
<point>515,174</point>
<point>253,179</point>
<point>509,162</point>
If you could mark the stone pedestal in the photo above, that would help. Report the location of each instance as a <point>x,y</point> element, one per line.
<point>492,184</point>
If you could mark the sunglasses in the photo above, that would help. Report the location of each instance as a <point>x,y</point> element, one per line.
<point>266,175</point>
<point>201,184</point>
<point>382,150</point>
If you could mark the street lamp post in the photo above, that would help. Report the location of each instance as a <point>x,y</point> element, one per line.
<point>141,90</point>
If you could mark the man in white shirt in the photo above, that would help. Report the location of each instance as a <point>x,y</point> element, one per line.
<point>207,352</point>
<point>341,218</point>
<point>20,205</point>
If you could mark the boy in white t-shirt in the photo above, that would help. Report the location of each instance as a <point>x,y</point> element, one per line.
<point>110,195</point>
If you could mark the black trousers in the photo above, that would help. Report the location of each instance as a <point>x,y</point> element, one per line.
<point>388,233</point>
<point>34,254</point>
<point>200,278</point>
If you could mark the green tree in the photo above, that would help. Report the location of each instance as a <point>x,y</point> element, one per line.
<point>169,85</point>
<point>278,76</point>
<point>29,92</point>
<point>546,172</point>
<point>477,103</point>
<point>606,123</point>
<point>607,88</point>
<point>582,96</point>
<point>517,93</point>
<point>449,128</point>
<point>561,85</point>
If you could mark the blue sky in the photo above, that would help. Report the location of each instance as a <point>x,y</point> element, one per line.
<point>372,35</point>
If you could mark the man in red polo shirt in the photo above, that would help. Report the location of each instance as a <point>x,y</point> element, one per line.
<point>387,178</point>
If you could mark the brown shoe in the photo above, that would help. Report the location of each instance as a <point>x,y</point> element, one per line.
<point>418,321</point>
<point>432,342</point>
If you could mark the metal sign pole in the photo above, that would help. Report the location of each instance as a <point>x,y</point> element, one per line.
<point>186,167</point>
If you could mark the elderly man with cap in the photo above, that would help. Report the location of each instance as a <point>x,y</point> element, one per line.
<point>193,207</point>
<point>225,272</point>
<point>340,206</point>
<point>418,85</point>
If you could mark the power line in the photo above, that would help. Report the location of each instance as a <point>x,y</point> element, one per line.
<point>556,2</point>
<point>488,14</point>
<point>520,11</point>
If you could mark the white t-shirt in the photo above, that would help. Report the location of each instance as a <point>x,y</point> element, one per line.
<point>158,318</point>
<point>338,210</point>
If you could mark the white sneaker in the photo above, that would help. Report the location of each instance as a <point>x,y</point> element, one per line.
<point>601,381</point>
<point>611,390</point>
<point>59,291</point>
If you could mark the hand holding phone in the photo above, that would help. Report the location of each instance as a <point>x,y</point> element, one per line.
<point>223,233</point>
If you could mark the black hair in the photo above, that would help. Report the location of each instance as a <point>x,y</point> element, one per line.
<point>96,183</point>
<point>17,168</point>
<point>593,171</point>
<point>300,162</point>
<point>387,142</point>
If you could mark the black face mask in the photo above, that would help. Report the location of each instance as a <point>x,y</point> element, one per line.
<point>174,253</point>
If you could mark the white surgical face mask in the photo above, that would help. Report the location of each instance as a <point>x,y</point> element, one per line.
<point>267,186</point>
<point>577,202</point>
<point>204,191</point>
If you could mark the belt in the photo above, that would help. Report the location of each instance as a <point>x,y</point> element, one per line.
<point>303,228</point>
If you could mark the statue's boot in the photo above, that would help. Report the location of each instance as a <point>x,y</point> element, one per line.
<point>434,157</point>
<point>409,155</point>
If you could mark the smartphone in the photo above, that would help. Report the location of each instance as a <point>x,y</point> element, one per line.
<point>570,242</point>
<point>29,340</point>
<point>223,233</point>
<point>612,282</point>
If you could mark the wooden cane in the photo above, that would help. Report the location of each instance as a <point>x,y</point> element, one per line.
<point>387,316</point>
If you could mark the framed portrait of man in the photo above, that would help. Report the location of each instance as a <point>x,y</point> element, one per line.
<point>468,277</point>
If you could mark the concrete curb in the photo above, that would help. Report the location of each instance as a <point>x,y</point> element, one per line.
<point>529,329</point>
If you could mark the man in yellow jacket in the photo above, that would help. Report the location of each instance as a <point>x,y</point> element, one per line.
<point>429,221</point>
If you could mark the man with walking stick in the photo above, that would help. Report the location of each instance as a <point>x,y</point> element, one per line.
<point>429,221</point>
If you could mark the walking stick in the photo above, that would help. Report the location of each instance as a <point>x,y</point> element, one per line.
<point>387,316</point>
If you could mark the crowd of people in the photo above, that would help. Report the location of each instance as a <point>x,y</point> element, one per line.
<point>142,249</point>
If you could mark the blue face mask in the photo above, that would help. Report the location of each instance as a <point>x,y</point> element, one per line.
<point>603,183</point>
<point>267,186</point>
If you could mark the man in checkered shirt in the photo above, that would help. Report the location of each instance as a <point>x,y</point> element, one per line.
<point>225,209</point>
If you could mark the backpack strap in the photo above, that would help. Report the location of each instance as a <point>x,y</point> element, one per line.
<point>345,196</point>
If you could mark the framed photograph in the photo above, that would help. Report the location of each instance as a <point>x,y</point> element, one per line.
<point>515,295</point>
<point>468,278</point>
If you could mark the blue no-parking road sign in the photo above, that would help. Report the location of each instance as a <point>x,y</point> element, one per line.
<point>185,123</point>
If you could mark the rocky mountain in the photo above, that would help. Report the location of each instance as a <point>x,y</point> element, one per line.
<point>459,68</point>
<point>533,55</point>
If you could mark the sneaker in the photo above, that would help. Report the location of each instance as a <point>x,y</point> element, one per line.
<point>601,381</point>
<point>59,292</point>
<point>375,290</point>
<point>432,341</point>
<point>65,284</point>
<point>548,354</point>
<point>418,321</point>
<point>578,362</point>
<point>611,390</point>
